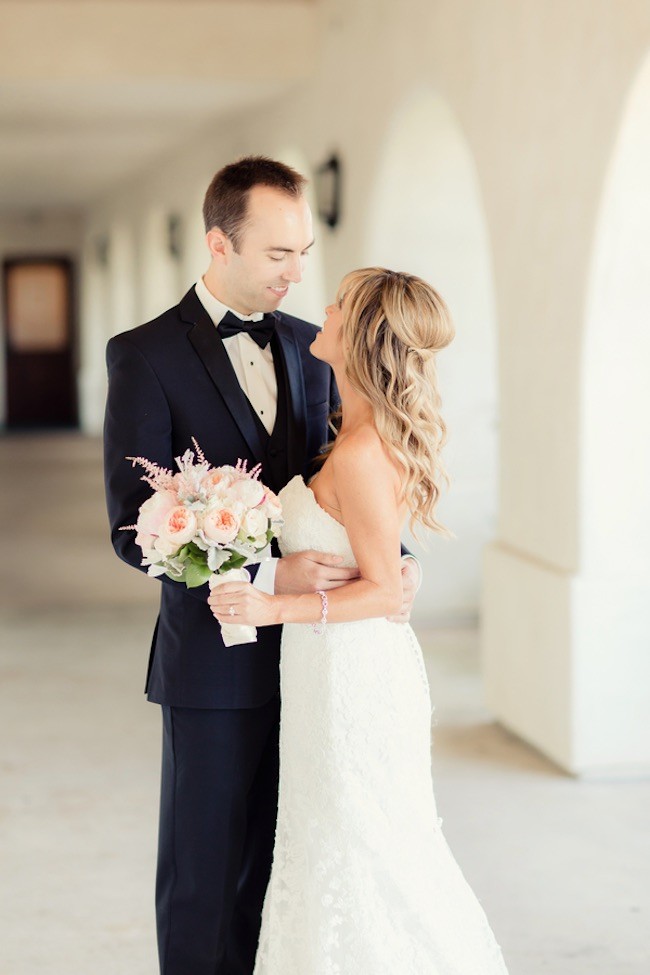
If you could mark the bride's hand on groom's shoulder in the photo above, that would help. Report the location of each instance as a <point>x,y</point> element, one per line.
<point>241,602</point>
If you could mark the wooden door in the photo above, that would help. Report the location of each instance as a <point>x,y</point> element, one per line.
<point>40,359</point>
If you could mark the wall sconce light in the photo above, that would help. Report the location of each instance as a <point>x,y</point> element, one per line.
<point>175,236</point>
<point>102,249</point>
<point>327,183</point>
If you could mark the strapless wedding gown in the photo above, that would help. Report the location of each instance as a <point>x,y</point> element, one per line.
<point>363,882</point>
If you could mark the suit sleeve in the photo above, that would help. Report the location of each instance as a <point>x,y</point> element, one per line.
<point>137,424</point>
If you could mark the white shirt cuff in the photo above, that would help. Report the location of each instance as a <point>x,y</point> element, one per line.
<point>404,557</point>
<point>265,577</point>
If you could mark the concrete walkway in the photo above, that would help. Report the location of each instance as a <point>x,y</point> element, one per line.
<point>561,867</point>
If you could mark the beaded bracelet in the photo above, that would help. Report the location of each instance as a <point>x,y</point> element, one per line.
<point>319,628</point>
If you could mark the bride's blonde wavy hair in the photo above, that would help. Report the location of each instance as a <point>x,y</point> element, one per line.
<point>392,326</point>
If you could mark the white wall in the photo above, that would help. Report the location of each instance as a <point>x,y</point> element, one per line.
<point>43,233</point>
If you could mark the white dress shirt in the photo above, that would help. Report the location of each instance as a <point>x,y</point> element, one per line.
<point>253,366</point>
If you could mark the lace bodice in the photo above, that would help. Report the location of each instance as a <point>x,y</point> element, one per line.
<point>307,525</point>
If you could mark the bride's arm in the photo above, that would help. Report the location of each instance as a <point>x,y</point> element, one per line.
<point>367,486</point>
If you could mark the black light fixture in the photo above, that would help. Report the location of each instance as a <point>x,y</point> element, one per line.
<point>328,190</point>
<point>102,250</point>
<point>175,236</point>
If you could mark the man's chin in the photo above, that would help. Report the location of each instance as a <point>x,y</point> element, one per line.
<point>276,296</point>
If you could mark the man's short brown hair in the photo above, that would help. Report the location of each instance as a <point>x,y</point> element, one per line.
<point>226,200</point>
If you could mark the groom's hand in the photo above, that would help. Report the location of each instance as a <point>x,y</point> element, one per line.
<point>410,583</point>
<point>309,571</point>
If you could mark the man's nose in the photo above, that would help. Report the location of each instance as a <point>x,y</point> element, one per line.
<point>294,271</point>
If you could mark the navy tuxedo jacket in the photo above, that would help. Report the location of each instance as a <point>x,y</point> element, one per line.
<point>171,380</point>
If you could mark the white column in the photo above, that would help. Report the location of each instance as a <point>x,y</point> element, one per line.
<point>567,643</point>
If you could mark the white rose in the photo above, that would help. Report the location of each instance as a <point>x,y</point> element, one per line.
<point>272,506</point>
<point>248,491</point>
<point>255,523</point>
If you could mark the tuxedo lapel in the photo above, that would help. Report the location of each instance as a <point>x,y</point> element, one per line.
<point>297,433</point>
<point>209,347</point>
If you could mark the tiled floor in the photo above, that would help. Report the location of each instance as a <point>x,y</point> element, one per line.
<point>561,867</point>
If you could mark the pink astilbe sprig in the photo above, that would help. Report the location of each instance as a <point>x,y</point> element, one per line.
<point>157,477</point>
<point>241,468</point>
<point>200,456</point>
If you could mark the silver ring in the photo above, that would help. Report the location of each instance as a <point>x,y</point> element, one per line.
<point>231,611</point>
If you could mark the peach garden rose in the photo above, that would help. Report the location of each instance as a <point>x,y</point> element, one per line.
<point>220,525</point>
<point>151,517</point>
<point>177,529</point>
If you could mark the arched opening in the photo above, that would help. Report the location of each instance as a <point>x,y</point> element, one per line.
<point>426,217</point>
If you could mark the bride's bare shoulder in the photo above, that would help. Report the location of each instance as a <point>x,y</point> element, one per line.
<point>363,454</point>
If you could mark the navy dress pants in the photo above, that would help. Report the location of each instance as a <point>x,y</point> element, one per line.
<point>218,810</point>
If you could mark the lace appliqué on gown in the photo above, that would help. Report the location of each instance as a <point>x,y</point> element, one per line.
<point>363,882</point>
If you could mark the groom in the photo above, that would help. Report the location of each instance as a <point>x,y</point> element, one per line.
<point>225,367</point>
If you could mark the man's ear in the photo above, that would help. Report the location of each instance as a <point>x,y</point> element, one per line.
<point>218,244</point>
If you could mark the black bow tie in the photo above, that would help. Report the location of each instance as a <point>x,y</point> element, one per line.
<point>260,332</point>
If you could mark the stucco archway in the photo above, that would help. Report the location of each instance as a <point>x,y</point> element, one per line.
<point>426,217</point>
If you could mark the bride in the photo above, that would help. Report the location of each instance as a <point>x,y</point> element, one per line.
<point>363,882</point>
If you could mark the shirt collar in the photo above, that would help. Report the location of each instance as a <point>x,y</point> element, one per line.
<point>216,309</point>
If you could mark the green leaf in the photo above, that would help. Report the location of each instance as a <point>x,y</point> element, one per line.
<point>196,575</point>
<point>181,578</point>
<point>234,562</point>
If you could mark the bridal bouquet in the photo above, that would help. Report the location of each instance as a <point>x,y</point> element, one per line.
<point>205,524</point>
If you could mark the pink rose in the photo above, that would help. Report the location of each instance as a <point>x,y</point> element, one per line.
<point>151,517</point>
<point>220,525</point>
<point>178,528</point>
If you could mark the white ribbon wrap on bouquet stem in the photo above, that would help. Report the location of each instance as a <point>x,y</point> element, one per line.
<point>234,633</point>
